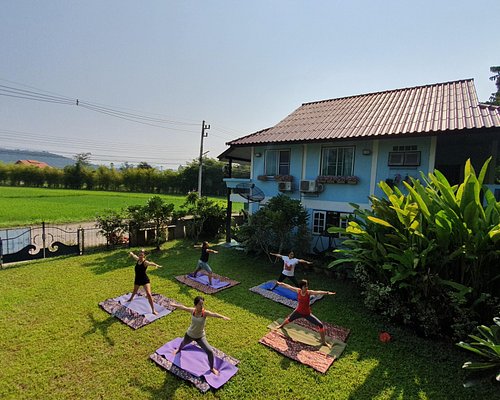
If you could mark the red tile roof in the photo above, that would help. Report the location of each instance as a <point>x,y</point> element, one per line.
<point>428,109</point>
<point>35,163</point>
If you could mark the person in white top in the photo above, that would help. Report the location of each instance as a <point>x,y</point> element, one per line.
<point>289,263</point>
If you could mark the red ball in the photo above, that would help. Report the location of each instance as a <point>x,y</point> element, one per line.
<point>384,337</point>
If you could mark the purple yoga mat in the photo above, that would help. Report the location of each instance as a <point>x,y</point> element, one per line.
<point>216,283</point>
<point>195,361</point>
<point>141,305</point>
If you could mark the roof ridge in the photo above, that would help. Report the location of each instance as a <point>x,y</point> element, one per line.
<point>389,91</point>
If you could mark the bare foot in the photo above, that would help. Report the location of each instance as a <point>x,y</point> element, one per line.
<point>155,312</point>
<point>214,371</point>
<point>327,344</point>
<point>175,352</point>
<point>277,327</point>
<point>129,300</point>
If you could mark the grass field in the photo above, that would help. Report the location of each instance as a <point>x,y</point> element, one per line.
<point>28,206</point>
<point>58,344</point>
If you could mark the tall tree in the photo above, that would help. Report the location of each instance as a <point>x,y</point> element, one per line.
<point>82,159</point>
<point>495,97</point>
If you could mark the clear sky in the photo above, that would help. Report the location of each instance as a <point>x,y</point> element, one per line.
<point>240,65</point>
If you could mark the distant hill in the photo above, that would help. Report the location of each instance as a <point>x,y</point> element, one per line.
<point>54,160</point>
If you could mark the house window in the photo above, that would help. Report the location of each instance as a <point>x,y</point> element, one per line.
<point>319,222</point>
<point>337,161</point>
<point>322,220</point>
<point>404,156</point>
<point>277,162</point>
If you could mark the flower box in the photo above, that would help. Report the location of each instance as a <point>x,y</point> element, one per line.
<point>351,180</point>
<point>283,178</point>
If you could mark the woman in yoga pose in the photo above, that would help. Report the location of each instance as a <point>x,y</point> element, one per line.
<point>196,332</point>
<point>289,263</point>
<point>303,309</point>
<point>141,278</point>
<point>203,262</point>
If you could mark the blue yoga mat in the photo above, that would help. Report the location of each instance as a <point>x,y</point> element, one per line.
<point>289,294</point>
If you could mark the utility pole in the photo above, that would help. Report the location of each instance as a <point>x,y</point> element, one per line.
<point>203,135</point>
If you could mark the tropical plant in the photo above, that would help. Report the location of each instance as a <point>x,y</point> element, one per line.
<point>278,226</point>
<point>159,213</point>
<point>112,225</point>
<point>487,347</point>
<point>208,217</point>
<point>437,249</point>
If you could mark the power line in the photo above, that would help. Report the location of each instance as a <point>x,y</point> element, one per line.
<point>10,91</point>
<point>65,141</point>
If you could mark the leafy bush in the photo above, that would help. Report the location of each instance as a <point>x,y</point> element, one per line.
<point>112,225</point>
<point>208,217</point>
<point>436,248</point>
<point>487,348</point>
<point>278,226</point>
<point>155,212</point>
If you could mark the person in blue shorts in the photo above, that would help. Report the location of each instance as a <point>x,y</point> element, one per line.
<point>203,266</point>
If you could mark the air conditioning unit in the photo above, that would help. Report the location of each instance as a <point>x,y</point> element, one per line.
<point>310,186</point>
<point>285,186</point>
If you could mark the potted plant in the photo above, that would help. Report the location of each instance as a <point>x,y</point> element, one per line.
<point>283,178</point>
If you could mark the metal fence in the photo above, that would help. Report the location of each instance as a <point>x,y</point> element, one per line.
<point>46,240</point>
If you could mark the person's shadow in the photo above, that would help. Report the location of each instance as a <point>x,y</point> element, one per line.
<point>101,327</point>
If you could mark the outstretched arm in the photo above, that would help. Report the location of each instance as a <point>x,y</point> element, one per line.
<point>276,254</point>
<point>212,251</point>
<point>288,286</point>
<point>305,261</point>
<point>148,263</point>
<point>316,292</point>
<point>215,315</point>
<point>181,307</point>
<point>131,254</point>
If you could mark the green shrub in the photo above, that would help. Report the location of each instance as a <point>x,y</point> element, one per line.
<point>280,225</point>
<point>436,248</point>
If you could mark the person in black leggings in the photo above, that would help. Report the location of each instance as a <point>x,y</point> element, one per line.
<point>141,278</point>
<point>289,263</point>
<point>196,332</point>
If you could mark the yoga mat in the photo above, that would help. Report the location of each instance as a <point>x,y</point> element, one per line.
<point>204,287</point>
<point>133,318</point>
<point>285,292</point>
<point>194,360</point>
<point>300,352</point>
<point>280,294</point>
<point>141,306</point>
<point>306,336</point>
<point>203,279</point>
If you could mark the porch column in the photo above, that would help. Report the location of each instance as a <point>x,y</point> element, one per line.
<point>432,154</point>
<point>493,163</point>
<point>229,209</point>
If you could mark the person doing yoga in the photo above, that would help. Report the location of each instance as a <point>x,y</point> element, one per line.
<point>289,263</point>
<point>196,332</point>
<point>141,278</point>
<point>203,262</point>
<point>303,309</point>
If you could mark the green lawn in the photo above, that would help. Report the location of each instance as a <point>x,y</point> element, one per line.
<point>28,206</point>
<point>56,343</point>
